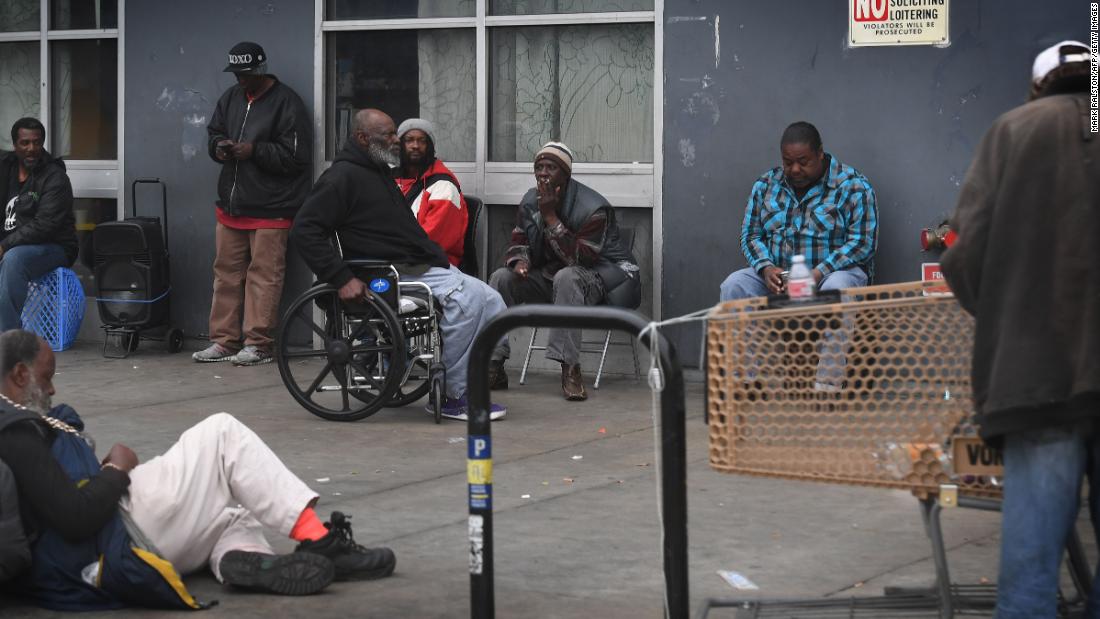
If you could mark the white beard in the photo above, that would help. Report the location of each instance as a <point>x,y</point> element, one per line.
<point>383,155</point>
<point>37,399</point>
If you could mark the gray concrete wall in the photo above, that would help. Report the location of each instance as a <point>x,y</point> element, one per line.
<point>175,53</point>
<point>909,118</point>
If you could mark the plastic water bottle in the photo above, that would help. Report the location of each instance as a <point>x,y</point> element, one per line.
<point>800,282</point>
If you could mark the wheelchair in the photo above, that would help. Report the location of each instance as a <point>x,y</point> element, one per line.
<point>381,351</point>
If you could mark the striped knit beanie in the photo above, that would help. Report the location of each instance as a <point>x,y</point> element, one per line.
<point>559,153</point>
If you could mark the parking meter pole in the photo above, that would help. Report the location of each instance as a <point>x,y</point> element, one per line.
<point>479,467</point>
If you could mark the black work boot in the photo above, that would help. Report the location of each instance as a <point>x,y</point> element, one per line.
<point>292,574</point>
<point>352,561</point>
<point>498,379</point>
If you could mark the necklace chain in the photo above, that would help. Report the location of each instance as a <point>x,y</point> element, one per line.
<point>56,424</point>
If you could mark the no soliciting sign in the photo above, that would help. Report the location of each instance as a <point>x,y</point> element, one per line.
<point>897,22</point>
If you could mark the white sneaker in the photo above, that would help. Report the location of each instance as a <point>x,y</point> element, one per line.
<point>252,355</point>
<point>214,353</point>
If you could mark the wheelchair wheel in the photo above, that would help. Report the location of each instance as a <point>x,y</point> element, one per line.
<point>436,383</point>
<point>416,383</point>
<point>359,363</point>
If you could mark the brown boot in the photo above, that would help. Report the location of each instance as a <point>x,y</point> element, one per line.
<point>498,379</point>
<point>572,384</point>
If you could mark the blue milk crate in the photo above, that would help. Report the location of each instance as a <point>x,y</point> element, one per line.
<point>55,308</point>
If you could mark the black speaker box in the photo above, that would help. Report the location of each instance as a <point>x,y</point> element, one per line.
<point>131,271</point>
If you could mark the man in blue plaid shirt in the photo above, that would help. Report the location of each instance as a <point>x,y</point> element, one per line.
<point>812,205</point>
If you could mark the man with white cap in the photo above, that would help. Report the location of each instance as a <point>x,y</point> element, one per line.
<point>260,136</point>
<point>431,189</point>
<point>566,250</point>
<point>1024,265</point>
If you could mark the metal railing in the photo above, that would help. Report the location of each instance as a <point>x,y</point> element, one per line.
<point>479,465</point>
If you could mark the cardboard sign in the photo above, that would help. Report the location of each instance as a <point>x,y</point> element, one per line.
<point>898,22</point>
<point>930,272</point>
<point>971,456</point>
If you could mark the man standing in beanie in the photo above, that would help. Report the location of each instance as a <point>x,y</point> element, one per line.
<point>260,135</point>
<point>431,189</point>
<point>565,250</point>
<point>1028,218</point>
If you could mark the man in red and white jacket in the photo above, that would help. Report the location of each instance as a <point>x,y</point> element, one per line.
<point>430,189</point>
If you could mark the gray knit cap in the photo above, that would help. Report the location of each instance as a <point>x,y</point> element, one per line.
<point>417,123</point>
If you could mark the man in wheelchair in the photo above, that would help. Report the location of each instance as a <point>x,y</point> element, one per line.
<point>357,202</point>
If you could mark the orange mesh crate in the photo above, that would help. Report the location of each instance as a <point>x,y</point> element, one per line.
<point>871,390</point>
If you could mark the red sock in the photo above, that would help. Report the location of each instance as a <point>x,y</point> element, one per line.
<point>309,527</point>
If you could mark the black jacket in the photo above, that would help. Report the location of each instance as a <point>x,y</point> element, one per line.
<point>273,183</point>
<point>358,199</point>
<point>44,208</point>
<point>1025,265</point>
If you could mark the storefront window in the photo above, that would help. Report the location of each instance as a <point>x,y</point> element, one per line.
<point>19,86</point>
<point>83,14</point>
<point>84,98</point>
<point>406,73</point>
<point>19,15</point>
<point>387,9</point>
<point>588,86</point>
<point>546,7</point>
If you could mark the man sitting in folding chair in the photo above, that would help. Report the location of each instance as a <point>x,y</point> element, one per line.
<point>566,249</point>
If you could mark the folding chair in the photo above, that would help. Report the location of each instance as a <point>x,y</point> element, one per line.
<point>626,235</point>
<point>472,240</point>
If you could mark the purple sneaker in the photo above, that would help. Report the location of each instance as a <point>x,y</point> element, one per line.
<point>455,408</point>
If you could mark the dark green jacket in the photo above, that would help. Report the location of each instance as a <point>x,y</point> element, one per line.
<point>1025,266</point>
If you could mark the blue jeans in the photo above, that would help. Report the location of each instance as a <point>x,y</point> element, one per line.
<point>1043,474</point>
<point>468,305</point>
<point>747,283</point>
<point>19,266</point>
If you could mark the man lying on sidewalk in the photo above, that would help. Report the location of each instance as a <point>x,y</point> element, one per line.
<point>108,534</point>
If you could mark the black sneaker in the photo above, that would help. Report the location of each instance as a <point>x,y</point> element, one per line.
<point>352,561</point>
<point>292,574</point>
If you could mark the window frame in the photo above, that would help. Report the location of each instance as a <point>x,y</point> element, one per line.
<point>503,182</point>
<point>91,178</point>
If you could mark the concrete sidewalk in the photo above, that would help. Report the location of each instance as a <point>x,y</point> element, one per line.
<point>577,530</point>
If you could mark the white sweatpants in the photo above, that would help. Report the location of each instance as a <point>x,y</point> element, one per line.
<point>210,492</point>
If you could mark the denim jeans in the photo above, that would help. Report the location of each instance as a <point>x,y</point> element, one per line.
<point>832,352</point>
<point>746,283</point>
<point>468,305</point>
<point>1043,474</point>
<point>19,266</point>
